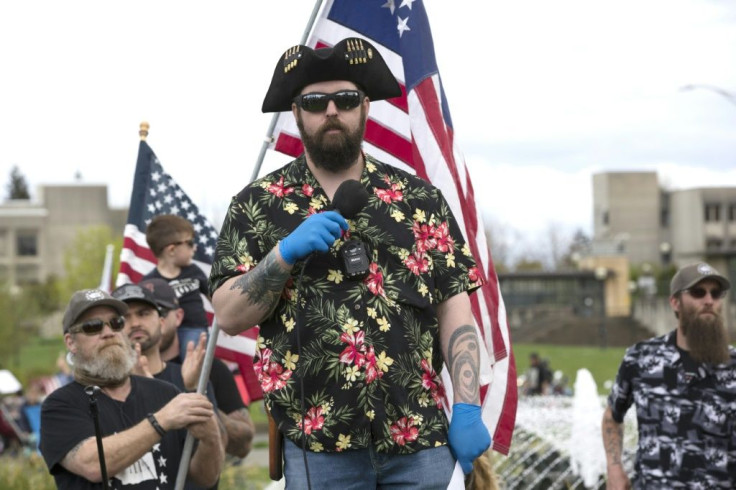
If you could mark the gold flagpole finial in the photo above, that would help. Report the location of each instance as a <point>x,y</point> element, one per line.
<point>143,131</point>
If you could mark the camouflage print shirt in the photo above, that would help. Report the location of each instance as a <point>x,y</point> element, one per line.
<point>686,413</point>
<point>370,353</point>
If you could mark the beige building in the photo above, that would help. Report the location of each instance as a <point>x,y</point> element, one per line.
<point>35,233</point>
<point>634,216</point>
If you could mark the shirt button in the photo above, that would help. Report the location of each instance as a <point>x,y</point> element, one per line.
<point>357,306</point>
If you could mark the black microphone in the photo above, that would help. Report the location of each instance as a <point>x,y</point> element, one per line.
<point>91,392</point>
<point>350,198</point>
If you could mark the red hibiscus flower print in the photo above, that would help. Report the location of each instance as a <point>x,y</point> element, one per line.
<point>271,375</point>
<point>371,370</point>
<point>313,420</point>
<point>425,238</point>
<point>417,263</point>
<point>307,190</point>
<point>431,382</point>
<point>389,195</point>
<point>473,274</point>
<point>445,243</point>
<point>403,431</point>
<point>355,351</point>
<point>278,188</point>
<point>374,280</point>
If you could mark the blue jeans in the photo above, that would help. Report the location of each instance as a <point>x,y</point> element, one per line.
<point>364,468</point>
<point>186,334</point>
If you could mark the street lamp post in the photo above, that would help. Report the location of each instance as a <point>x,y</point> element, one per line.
<point>601,273</point>
<point>665,250</point>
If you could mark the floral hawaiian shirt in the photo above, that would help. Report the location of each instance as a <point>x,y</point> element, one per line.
<point>686,413</point>
<point>370,355</point>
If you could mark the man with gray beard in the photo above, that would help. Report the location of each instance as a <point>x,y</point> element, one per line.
<point>684,387</point>
<point>142,420</point>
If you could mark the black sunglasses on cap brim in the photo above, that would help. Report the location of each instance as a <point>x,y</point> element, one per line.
<point>344,100</point>
<point>94,327</point>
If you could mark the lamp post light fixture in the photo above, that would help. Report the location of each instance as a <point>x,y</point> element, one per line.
<point>601,274</point>
<point>665,251</point>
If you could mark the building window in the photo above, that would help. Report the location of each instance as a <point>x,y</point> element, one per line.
<point>605,218</point>
<point>664,218</point>
<point>26,274</point>
<point>3,243</point>
<point>26,243</point>
<point>713,243</point>
<point>732,212</point>
<point>712,213</point>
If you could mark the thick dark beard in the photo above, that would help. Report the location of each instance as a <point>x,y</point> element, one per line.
<point>707,337</point>
<point>337,156</point>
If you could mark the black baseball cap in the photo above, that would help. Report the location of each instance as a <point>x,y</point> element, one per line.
<point>133,292</point>
<point>85,299</point>
<point>689,275</point>
<point>162,291</point>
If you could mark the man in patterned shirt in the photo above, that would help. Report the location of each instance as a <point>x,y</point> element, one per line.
<point>684,387</point>
<point>349,362</point>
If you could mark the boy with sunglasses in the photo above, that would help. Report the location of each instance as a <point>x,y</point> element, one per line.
<point>142,420</point>
<point>172,240</point>
<point>684,387</point>
<point>349,359</point>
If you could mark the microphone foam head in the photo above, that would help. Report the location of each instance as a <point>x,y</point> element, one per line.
<point>350,198</point>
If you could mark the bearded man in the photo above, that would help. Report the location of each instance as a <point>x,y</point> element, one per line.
<point>141,419</point>
<point>684,387</point>
<point>359,308</point>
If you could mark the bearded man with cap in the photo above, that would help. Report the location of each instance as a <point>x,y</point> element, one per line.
<point>141,420</point>
<point>356,315</point>
<point>684,387</point>
<point>233,412</point>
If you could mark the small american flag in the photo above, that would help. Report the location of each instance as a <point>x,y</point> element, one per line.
<point>154,193</point>
<point>414,132</point>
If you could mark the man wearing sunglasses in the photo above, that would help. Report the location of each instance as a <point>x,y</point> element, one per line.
<point>684,387</point>
<point>142,420</point>
<point>349,358</point>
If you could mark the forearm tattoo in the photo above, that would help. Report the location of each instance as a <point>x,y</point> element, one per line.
<point>463,360</point>
<point>613,436</point>
<point>264,284</point>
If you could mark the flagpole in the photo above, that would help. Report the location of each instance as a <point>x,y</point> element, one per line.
<point>268,139</point>
<point>215,330</point>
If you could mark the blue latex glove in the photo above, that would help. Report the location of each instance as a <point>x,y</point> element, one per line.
<point>316,234</point>
<point>468,436</point>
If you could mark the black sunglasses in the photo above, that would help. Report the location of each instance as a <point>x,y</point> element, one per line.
<point>345,100</point>
<point>94,327</point>
<point>699,292</point>
<point>190,243</point>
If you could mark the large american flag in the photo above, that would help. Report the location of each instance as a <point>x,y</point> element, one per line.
<point>414,132</point>
<point>154,193</point>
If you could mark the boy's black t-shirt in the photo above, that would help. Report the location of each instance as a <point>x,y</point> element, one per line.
<point>188,285</point>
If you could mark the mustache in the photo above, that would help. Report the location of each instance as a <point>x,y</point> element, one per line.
<point>330,125</point>
<point>112,343</point>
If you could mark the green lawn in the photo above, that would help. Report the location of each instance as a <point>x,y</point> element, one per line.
<point>38,358</point>
<point>602,363</point>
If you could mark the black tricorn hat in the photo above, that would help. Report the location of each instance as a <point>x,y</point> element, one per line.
<point>352,59</point>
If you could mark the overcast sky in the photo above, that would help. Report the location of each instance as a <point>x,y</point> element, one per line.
<point>542,94</point>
